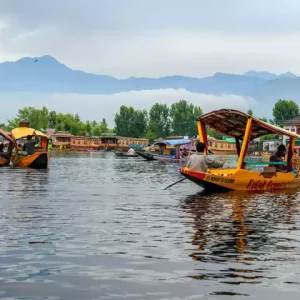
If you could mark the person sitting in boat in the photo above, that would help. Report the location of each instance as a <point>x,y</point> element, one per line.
<point>130,152</point>
<point>185,152</point>
<point>278,156</point>
<point>147,149</point>
<point>200,163</point>
<point>2,150</point>
<point>29,145</point>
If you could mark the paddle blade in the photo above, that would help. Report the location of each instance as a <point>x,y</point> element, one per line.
<point>168,186</point>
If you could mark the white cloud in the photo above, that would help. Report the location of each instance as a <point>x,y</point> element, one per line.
<point>96,107</point>
<point>153,37</point>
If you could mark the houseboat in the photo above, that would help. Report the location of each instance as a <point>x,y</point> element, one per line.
<point>85,143</point>
<point>106,143</point>
<point>61,140</point>
<point>6,146</point>
<point>226,146</point>
<point>243,127</point>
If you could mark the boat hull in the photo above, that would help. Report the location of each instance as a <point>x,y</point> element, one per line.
<point>4,161</point>
<point>38,160</point>
<point>150,157</point>
<point>225,180</point>
<point>121,154</point>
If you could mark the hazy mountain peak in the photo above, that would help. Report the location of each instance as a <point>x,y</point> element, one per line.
<point>269,76</point>
<point>261,74</point>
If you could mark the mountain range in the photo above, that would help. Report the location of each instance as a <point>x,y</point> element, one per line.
<point>47,75</point>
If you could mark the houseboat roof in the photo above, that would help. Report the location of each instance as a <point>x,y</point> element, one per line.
<point>173,142</point>
<point>5,135</point>
<point>233,123</point>
<point>21,132</point>
<point>293,121</point>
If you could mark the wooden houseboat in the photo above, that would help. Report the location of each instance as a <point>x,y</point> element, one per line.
<point>226,146</point>
<point>61,140</point>
<point>124,143</point>
<point>85,143</point>
<point>243,127</point>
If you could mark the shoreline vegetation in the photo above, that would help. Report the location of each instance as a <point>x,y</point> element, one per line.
<point>160,121</point>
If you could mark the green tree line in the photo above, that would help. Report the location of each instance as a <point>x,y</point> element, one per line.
<point>160,121</point>
<point>43,119</point>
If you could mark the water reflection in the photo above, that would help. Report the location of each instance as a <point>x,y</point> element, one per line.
<point>252,234</point>
<point>97,227</point>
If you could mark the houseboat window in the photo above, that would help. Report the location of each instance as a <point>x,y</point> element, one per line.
<point>293,129</point>
<point>221,145</point>
<point>78,142</point>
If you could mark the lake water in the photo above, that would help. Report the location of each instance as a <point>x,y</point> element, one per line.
<point>94,226</point>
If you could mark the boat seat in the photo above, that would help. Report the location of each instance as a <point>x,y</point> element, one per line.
<point>269,172</point>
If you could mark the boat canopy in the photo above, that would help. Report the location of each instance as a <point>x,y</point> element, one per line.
<point>21,132</point>
<point>173,142</point>
<point>233,123</point>
<point>5,135</point>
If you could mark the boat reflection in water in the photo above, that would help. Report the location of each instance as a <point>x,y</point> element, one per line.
<point>243,239</point>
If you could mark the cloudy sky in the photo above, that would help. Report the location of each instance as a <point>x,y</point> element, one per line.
<point>153,38</point>
<point>127,38</point>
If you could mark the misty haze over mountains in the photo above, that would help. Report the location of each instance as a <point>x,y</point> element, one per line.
<point>45,75</point>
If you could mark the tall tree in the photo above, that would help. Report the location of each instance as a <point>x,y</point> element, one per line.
<point>103,126</point>
<point>38,118</point>
<point>159,121</point>
<point>285,110</point>
<point>250,112</point>
<point>131,122</point>
<point>184,117</point>
<point>52,119</point>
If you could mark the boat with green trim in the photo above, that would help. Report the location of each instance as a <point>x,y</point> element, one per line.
<point>243,128</point>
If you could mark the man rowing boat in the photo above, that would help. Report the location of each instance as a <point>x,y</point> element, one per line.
<point>200,163</point>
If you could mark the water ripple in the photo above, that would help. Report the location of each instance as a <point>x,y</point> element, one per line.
<point>97,227</point>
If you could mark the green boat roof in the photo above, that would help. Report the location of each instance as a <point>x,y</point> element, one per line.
<point>228,139</point>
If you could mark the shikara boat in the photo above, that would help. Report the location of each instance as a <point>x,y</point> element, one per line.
<point>5,154</point>
<point>122,154</point>
<point>243,128</point>
<point>167,154</point>
<point>40,158</point>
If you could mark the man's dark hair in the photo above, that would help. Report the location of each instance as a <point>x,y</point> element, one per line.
<point>200,147</point>
<point>281,148</point>
<point>29,137</point>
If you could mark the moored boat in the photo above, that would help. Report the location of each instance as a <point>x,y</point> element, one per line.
<point>39,157</point>
<point>122,154</point>
<point>6,145</point>
<point>243,128</point>
<point>174,154</point>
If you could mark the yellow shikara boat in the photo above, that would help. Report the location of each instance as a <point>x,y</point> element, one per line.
<point>40,158</point>
<point>243,128</point>
<point>5,156</point>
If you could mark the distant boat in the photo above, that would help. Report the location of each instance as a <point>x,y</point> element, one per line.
<point>168,154</point>
<point>122,154</point>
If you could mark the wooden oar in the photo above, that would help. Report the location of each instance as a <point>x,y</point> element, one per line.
<point>178,181</point>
